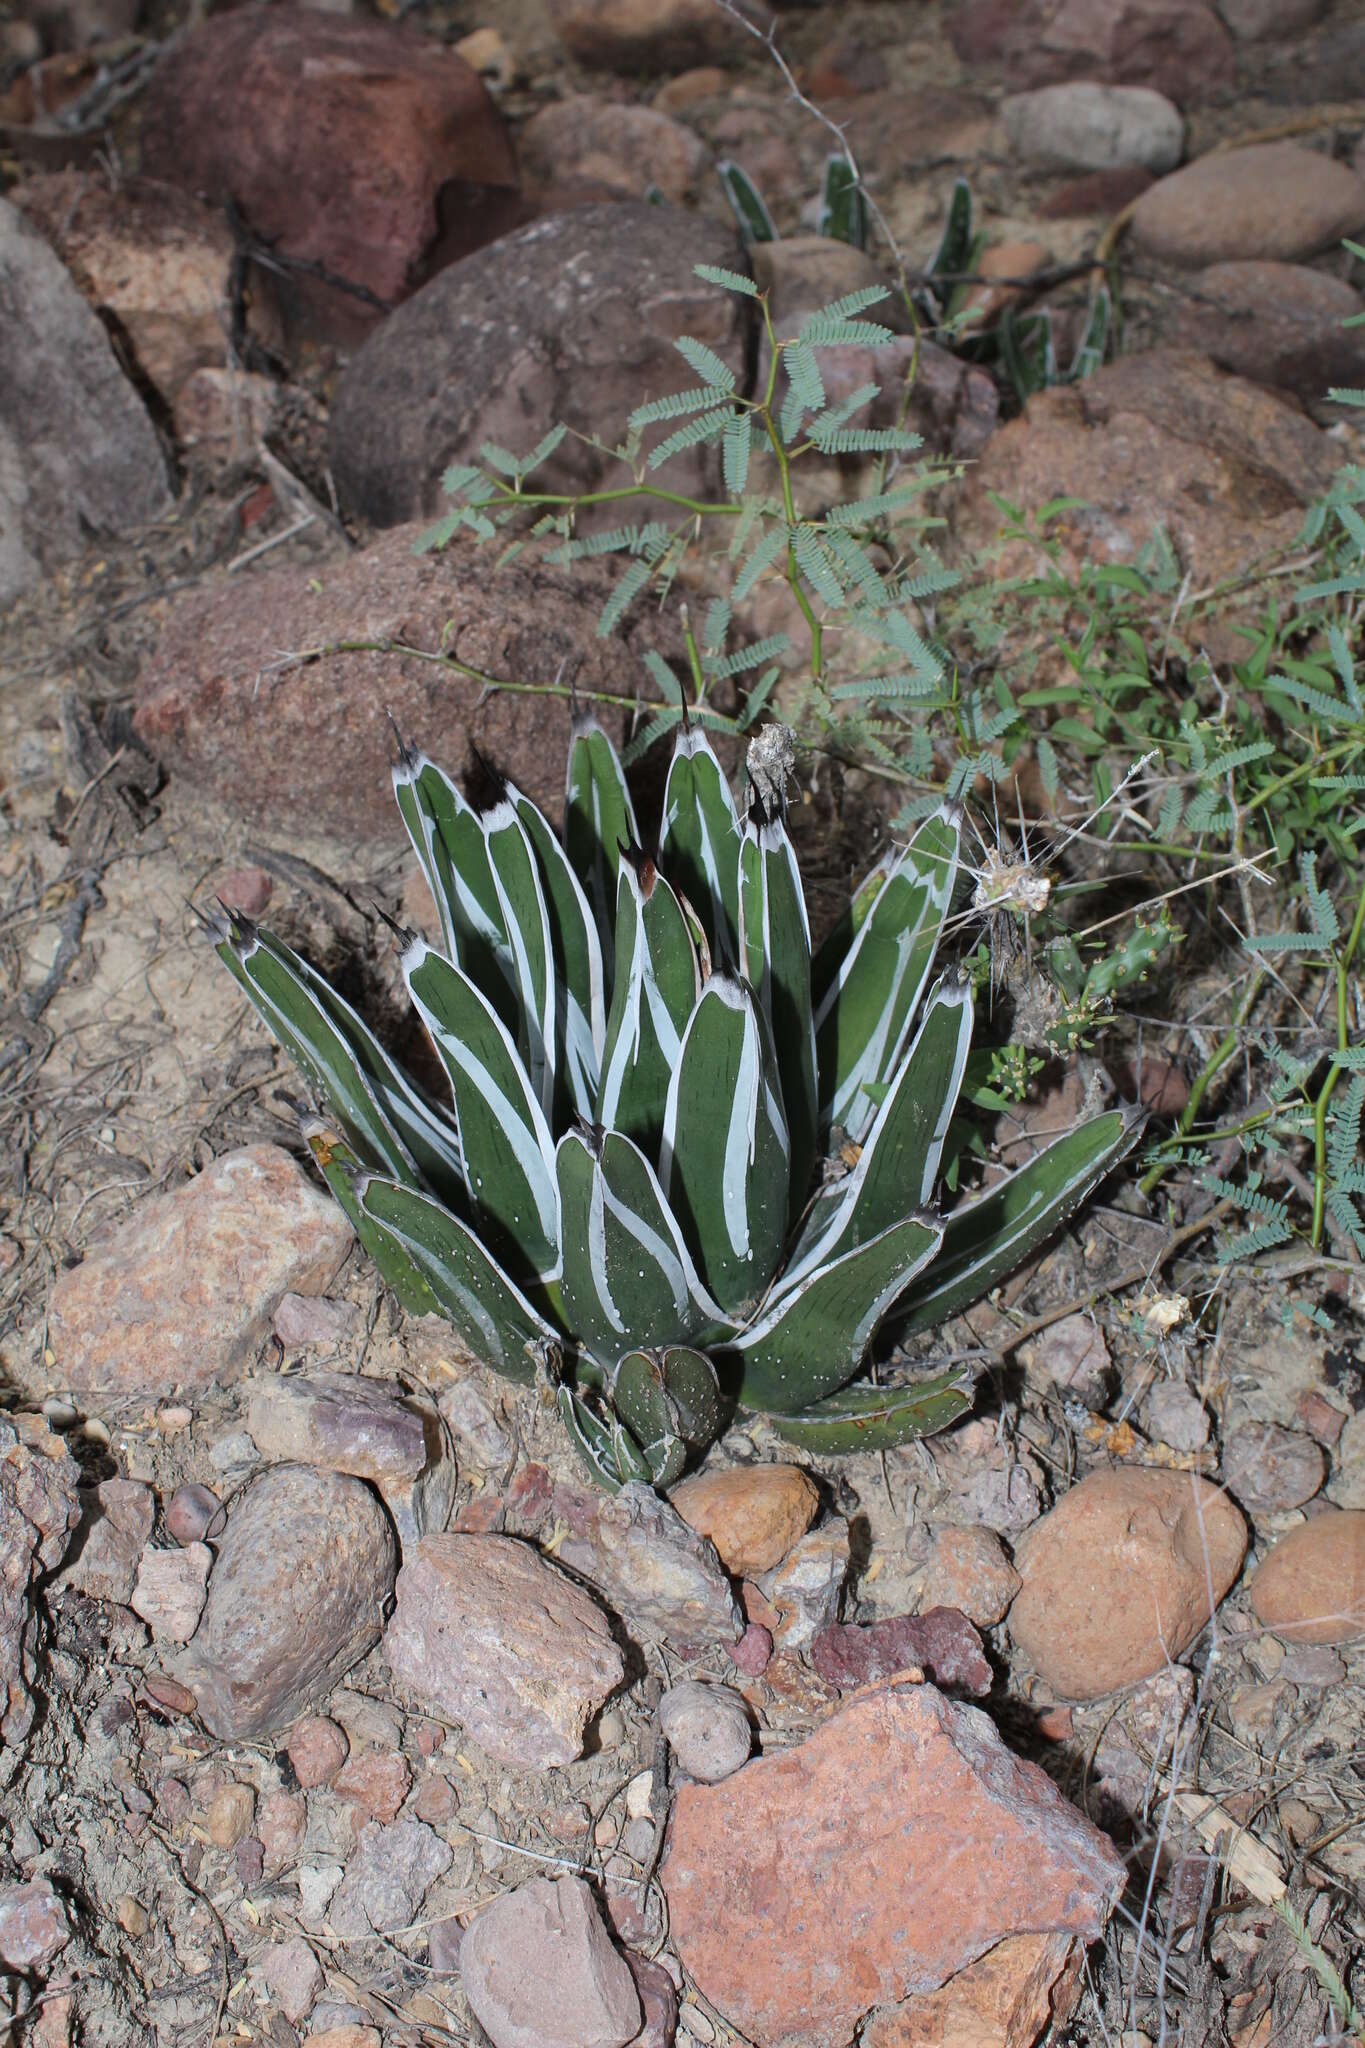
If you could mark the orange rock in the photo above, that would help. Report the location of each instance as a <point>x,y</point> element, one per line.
<point>874,1862</point>
<point>1311,1588</point>
<point>1004,2000</point>
<point>752,1513</point>
<point>1007,262</point>
<point>968,1569</point>
<point>1117,1576</point>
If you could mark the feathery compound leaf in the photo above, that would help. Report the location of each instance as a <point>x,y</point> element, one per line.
<point>752,656</point>
<point>699,840</point>
<point>864,1020</point>
<point>705,362</point>
<point>734,450</point>
<point>724,1158</point>
<point>671,407</point>
<point>803,374</point>
<point>831,330</point>
<point>1322,911</point>
<point>728,280</point>
<point>703,428</point>
<point>599,819</point>
<point>627,590</point>
<point>764,554</point>
<point>752,217</point>
<point>1346,1121</point>
<point>813,560</point>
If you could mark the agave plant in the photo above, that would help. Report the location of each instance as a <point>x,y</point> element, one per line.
<point>684,1167</point>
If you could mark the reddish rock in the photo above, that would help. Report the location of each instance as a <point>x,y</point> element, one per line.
<point>293,1975</point>
<point>248,889</point>
<point>1320,1417</point>
<point>1000,270</point>
<point>314,741</point>
<point>1276,201</point>
<point>436,1802</point>
<point>169,1694</point>
<point>1117,1577</point>
<point>1004,2000</point>
<point>311,1318</point>
<point>968,1570</point>
<point>941,1643</point>
<point>539,1971</point>
<point>490,1635</point>
<point>169,1594</point>
<point>752,1513</point>
<point>1270,1469</point>
<point>375,1784</point>
<point>572,320</point>
<point>924,1841</point>
<point>280,1824</point>
<point>367,1427</point>
<point>317,1749</point>
<point>752,1652</point>
<point>1163,1088</point>
<point>664,1580</point>
<point>230,1814</point>
<point>182,1291</point>
<point>33,1925</point>
<point>356,147</point>
<point>1162,437</point>
<point>1179,47</point>
<point>116,1520</point>
<point>619,145</point>
<point>39,1507</point>
<point>303,1571</point>
<point>1280,323</point>
<point>659,1999</point>
<point>1106,192</point>
<point>1311,1586</point>
<point>192,1512</point>
<point>644,35</point>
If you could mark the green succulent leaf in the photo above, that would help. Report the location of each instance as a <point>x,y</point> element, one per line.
<point>813,1339</point>
<point>383,1115</point>
<point>752,217</point>
<point>657,983</point>
<point>864,1019</point>
<point>340,1167</point>
<point>645,1394</point>
<point>843,209</point>
<point>775,958</point>
<point>448,838</point>
<point>629,1280</point>
<point>489,1310</point>
<point>987,1238</point>
<point>869,1418</point>
<point>527,923</point>
<point>599,819</point>
<point>724,1158</point>
<point>580,1008</point>
<point>898,1165</point>
<point>699,840</point>
<point>835,947</point>
<point>603,1446</point>
<point>505,1138</point>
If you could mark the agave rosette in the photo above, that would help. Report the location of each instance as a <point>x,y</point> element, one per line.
<point>684,1166</point>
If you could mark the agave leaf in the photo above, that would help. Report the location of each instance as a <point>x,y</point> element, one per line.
<point>775,958</point>
<point>340,1167</point>
<point>599,819</point>
<point>596,1442</point>
<point>699,840</point>
<point>899,1162</point>
<point>628,1280</point>
<point>527,921</point>
<point>505,1140</point>
<point>843,209</point>
<point>866,1418</point>
<point>489,1310</point>
<point>448,839</point>
<point>814,1338</point>
<point>986,1239</point>
<point>835,946</point>
<point>642,1400</point>
<point>695,1407</point>
<point>864,1020</point>
<point>580,1013</point>
<point>384,1115</point>
<point>752,217</point>
<point>657,984</point>
<point>724,1157</point>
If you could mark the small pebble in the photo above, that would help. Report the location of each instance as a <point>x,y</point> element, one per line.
<point>436,1802</point>
<point>170,1590</point>
<point>1270,1469</point>
<point>317,1749</point>
<point>639,1795</point>
<point>1175,1416</point>
<point>231,1453</point>
<point>169,1693</point>
<point>707,1729</point>
<point>191,1512</point>
<point>170,1421</point>
<point>249,1857</point>
<point>753,1652</point>
<point>230,1815</point>
<point>131,1915</point>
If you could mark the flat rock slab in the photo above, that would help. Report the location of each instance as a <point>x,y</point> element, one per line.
<point>387,1877</point>
<point>490,1635</point>
<point>665,1581</point>
<point>895,1846</point>
<point>79,456</point>
<point>182,1292</point>
<point>303,1572</point>
<point>312,742</point>
<point>369,1428</point>
<point>116,1520</point>
<point>572,319</point>
<point>539,1971</point>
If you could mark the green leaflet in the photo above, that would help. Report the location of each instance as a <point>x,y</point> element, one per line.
<point>340,1168</point>
<point>629,1281</point>
<point>492,1315</point>
<point>898,1165</point>
<point>986,1239</point>
<point>657,983</point>
<point>774,947</point>
<point>878,1418</point>
<point>599,819</point>
<point>865,1016</point>
<point>724,1155</point>
<point>527,922</point>
<point>580,1013</point>
<point>699,841</point>
<point>448,839</point>
<point>814,1338</point>
<point>389,1122</point>
<point>505,1140</point>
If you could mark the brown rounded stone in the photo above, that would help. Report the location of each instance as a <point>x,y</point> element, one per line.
<point>317,1749</point>
<point>968,1569</point>
<point>1276,202</point>
<point>1117,1577</point>
<point>752,1513</point>
<point>1311,1587</point>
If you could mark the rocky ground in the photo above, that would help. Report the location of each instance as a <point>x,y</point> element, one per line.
<point>335,1707</point>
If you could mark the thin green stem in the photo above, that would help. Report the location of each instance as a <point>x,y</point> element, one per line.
<point>1342,965</point>
<point>1213,1065</point>
<point>702,507</point>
